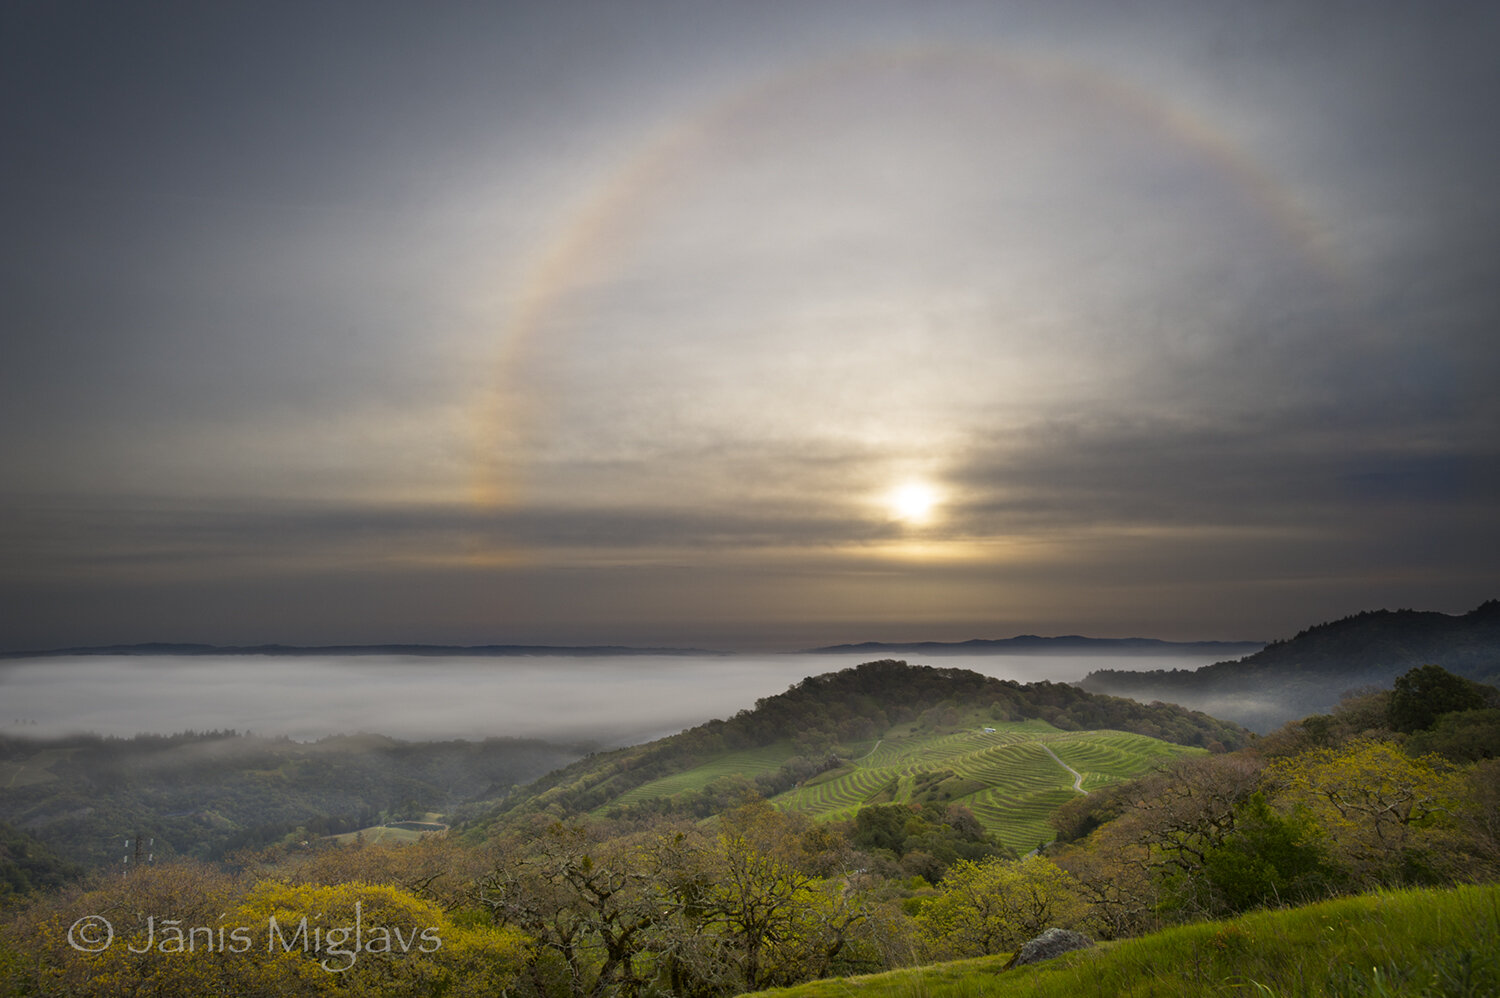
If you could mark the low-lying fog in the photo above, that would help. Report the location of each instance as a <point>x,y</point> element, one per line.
<point>617,700</point>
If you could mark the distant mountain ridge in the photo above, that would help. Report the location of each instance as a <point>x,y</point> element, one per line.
<point>1310,672</point>
<point>1032,644</point>
<point>435,651</point>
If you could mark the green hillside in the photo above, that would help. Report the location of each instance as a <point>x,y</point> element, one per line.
<point>1011,775</point>
<point>1419,942</point>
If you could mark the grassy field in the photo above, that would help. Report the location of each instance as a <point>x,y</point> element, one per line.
<point>34,769</point>
<point>1409,943</point>
<point>1005,775</point>
<point>750,763</point>
<point>386,834</point>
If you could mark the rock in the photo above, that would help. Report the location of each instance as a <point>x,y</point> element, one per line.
<point>1053,942</point>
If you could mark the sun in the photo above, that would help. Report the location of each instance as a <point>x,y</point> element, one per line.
<point>912,502</point>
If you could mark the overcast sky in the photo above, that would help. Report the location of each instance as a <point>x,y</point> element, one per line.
<point>629,322</point>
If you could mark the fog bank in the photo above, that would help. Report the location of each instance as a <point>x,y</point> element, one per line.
<point>610,701</point>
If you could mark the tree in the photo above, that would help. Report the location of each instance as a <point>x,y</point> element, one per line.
<point>752,914</point>
<point>1188,810</point>
<point>1424,694</point>
<point>1268,858</point>
<point>1462,736</point>
<point>756,895</point>
<point>1168,825</point>
<point>1388,818</point>
<point>1115,880</point>
<point>995,905</point>
<point>590,904</point>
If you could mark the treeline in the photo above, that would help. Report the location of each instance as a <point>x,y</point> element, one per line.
<point>824,715</point>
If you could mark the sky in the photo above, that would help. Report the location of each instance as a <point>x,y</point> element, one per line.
<point>744,325</point>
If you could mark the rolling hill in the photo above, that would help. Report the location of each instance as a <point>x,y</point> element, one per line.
<point>887,732</point>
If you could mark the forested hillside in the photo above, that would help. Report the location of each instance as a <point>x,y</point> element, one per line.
<point>1312,671</point>
<point>206,794</point>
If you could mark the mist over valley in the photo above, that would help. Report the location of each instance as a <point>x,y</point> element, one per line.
<point>605,700</point>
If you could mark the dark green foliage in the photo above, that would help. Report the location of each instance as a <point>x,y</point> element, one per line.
<point>28,865</point>
<point>1361,714</point>
<point>926,839</point>
<point>1268,859</point>
<point>1421,696</point>
<point>882,826</point>
<point>1463,736</point>
<point>942,785</point>
<point>1081,815</point>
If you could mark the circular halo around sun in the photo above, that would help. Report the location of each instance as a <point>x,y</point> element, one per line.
<point>913,502</point>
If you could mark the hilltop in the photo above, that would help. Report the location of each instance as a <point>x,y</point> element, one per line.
<point>1310,672</point>
<point>886,731</point>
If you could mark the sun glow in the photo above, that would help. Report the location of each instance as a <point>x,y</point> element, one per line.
<point>913,502</point>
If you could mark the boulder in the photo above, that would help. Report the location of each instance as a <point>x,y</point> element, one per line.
<point>1053,942</point>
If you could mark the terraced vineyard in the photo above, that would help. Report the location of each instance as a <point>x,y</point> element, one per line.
<point>1004,773</point>
<point>1005,776</point>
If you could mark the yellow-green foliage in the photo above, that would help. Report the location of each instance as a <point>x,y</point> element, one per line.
<point>996,905</point>
<point>1407,943</point>
<point>1387,816</point>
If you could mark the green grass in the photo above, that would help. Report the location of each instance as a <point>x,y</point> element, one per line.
<point>750,763</point>
<point>1409,943</point>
